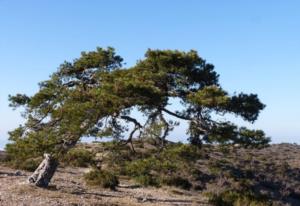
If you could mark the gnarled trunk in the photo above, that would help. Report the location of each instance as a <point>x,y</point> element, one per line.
<point>44,173</point>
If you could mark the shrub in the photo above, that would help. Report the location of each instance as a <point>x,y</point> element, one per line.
<point>178,182</point>
<point>164,167</point>
<point>140,167</point>
<point>79,158</point>
<point>116,155</point>
<point>20,158</point>
<point>101,178</point>
<point>28,164</point>
<point>148,180</point>
<point>181,151</point>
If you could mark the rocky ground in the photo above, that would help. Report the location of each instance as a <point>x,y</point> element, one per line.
<point>68,188</point>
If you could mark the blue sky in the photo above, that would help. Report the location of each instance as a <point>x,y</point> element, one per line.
<point>253,44</point>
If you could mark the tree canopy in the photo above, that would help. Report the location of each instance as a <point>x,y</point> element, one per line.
<point>95,96</point>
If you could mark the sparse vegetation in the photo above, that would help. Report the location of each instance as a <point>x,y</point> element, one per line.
<point>225,174</point>
<point>230,175</point>
<point>234,198</point>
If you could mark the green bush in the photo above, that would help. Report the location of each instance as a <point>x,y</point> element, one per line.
<point>20,157</point>
<point>181,151</point>
<point>140,167</point>
<point>148,180</point>
<point>101,178</point>
<point>28,164</point>
<point>164,167</point>
<point>148,165</point>
<point>116,155</point>
<point>26,153</point>
<point>141,170</point>
<point>79,158</point>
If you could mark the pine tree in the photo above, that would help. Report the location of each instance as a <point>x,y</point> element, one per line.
<point>95,96</point>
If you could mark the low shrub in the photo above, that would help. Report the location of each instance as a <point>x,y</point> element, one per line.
<point>148,180</point>
<point>164,167</point>
<point>79,157</point>
<point>177,182</point>
<point>28,164</point>
<point>181,151</point>
<point>141,167</point>
<point>101,178</point>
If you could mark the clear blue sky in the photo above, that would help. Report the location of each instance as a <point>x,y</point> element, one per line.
<point>255,46</point>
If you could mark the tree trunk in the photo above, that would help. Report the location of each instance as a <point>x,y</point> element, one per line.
<point>44,173</point>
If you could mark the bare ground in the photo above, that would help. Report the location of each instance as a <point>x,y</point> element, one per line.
<point>68,188</point>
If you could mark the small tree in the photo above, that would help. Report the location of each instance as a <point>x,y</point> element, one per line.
<point>95,96</point>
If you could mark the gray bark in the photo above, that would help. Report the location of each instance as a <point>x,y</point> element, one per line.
<point>44,173</point>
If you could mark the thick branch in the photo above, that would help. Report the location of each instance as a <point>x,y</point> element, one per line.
<point>130,119</point>
<point>176,115</point>
<point>137,126</point>
<point>167,129</point>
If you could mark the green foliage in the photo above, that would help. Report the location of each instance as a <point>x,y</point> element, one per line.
<point>21,156</point>
<point>148,180</point>
<point>142,166</point>
<point>246,106</point>
<point>28,164</point>
<point>211,97</point>
<point>101,178</point>
<point>25,153</point>
<point>252,138</point>
<point>117,155</point>
<point>170,160</point>
<point>79,157</point>
<point>183,152</point>
<point>18,100</point>
<point>164,167</point>
<point>227,133</point>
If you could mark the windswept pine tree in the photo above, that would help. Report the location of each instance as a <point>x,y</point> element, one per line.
<point>95,96</point>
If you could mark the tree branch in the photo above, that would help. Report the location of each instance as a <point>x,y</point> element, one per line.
<point>176,115</point>
<point>130,119</point>
<point>166,131</point>
<point>137,126</point>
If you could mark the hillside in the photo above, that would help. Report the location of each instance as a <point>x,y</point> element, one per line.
<point>271,174</point>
